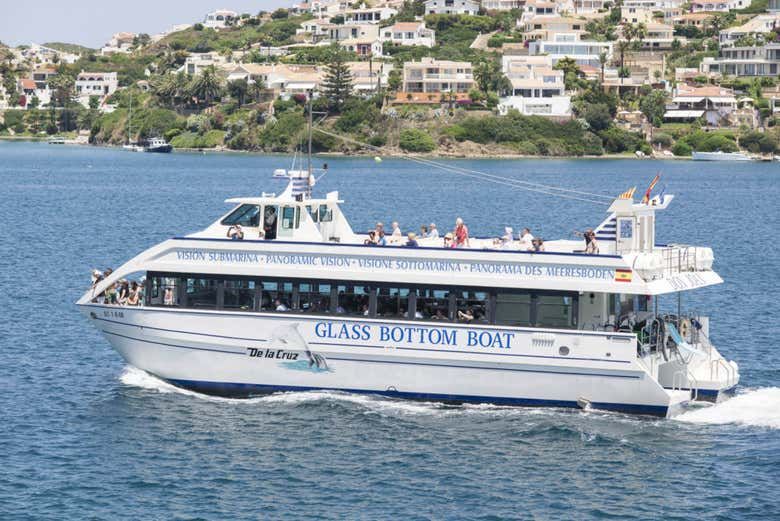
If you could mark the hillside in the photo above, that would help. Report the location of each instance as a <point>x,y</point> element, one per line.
<point>69,47</point>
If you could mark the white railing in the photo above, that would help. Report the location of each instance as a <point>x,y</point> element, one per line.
<point>685,376</point>
<point>678,259</point>
<point>715,368</point>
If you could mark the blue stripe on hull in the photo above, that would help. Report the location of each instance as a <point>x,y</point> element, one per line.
<point>245,390</point>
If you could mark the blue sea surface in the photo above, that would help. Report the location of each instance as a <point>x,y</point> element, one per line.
<point>83,436</point>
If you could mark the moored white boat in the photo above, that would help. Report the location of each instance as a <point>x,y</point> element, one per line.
<point>157,145</point>
<point>301,302</point>
<point>720,156</point>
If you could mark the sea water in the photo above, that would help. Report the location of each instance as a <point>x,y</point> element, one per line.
<point>83,436</point>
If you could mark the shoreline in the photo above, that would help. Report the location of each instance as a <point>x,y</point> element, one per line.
<point>389,155</point>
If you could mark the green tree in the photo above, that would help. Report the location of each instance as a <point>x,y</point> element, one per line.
<point>206,86</point>
<point>394,80</point>
<point>603,60</point>
<point>238,90</point>
<point>653,106</point>
<point>94,102</point>
<point>255,90</point>
<point>337,82</point>
<point>62,86</point>
<point>597,116</point>
<point>167,88</point>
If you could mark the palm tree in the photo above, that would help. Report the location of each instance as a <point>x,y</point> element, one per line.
<point>166,88</point>
<point>238,90</point>
<point>256,89</point>
<point>603,59</point>
<point>206,86</point>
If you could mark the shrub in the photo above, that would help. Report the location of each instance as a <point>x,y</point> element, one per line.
<point>597,115</point>
<point>527,148</point>
<point>664,140</point>
<point>617,140</point>
<point>759,142</point>
<point>682,149</point>
<point>414,140</point>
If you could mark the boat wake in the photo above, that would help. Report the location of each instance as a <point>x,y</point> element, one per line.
<point>751,408</point>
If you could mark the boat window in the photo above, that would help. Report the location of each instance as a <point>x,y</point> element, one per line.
<point>289,220</point>
<point>315,216</point>
<point>314,298</point>
<point>353,300</point>
<point>245,215</point>
<point>392,302</point>
<point>513,309</point>
<point>239,294</point>
<point>326,213</point>
<point>432,304</point>
<point>556,311</point>
<point>163,291</point>
<point>471,306</point>
<point>201,293</point>
<point>277,296</point>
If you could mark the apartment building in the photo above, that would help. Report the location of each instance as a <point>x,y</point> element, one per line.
<point>745,61</point>
<point>537,88</point>
<point>469,7</point>
<point>429,76</point>
<point>584,52</point>
<point>409,33</point>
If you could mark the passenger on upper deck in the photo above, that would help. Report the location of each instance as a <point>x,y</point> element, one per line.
<point>506,241</point>
<point>448,240</point>
<point>396,235</point>
<point>461,234</point>
<point>372,240</point>
<point>423,232</point>
<point>538,244</point>
<point>433,232</point>
<point>412,240</point>
<point>591,246</point>
<point>526,240</point>
<point>380,238</point>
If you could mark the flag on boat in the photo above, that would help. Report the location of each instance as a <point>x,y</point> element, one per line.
<point>658,199</point>
<point>622,275</point>
<point>646,198</point>
<point>628,194</point>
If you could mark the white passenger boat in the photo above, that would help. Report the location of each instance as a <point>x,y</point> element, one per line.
<point>300,302</point>
<point>720,156</point>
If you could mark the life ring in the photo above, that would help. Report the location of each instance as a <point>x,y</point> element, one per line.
<point>685,329</point>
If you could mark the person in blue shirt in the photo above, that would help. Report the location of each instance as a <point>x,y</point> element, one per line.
<point>412,241</point>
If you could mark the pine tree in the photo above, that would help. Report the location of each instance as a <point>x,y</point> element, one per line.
<point>337,83</point>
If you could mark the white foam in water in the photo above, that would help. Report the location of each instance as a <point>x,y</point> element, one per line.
<point>753,407</point>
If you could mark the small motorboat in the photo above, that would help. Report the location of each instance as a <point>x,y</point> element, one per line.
<point>158,145</point>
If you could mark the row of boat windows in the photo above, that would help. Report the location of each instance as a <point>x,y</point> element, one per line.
<point>388,301</point>
<point>248,215</point>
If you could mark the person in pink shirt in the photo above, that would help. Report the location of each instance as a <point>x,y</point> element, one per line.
<point>461,234</point>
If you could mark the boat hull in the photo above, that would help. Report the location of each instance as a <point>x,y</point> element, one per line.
<point>159,149</point>
<point>720,156</point>
<point>245,354</point>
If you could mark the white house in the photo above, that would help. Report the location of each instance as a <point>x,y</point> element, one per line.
<point>745,61</point>
<point>284,80</point>
<point>431,76</point>
<point>757,26</point>
<point>368,76</point>
<point>502,5</point>
<point>220,18</point>
<point>368,15</point>
<point>101,84</point>
<point>537,88</point>
<point>409,33</point>
<point>722,6</point>
<point>584,52</point>
<point>470,7</point>
<point>119,43</point>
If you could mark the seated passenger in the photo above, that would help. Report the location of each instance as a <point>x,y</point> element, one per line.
<point>280,306</point>
<point>448,241</point>
<point>507,240</point>
<point>395,237</point>
<point>538,244</point>
<point>133,297</point>
<point>461,234</point>
<point>423,232</point>
<point>526,240</point>
<point>372,240</point>
<point>235,232</point>
<point>365,310</point>
<point>466,316</point>
<point>110,294</point>
<point>124,292</point>
<point>168,297</point>
<point>380,240</point>
<point>433,232</point>
<point>439,315</point>
<point>412,241</point>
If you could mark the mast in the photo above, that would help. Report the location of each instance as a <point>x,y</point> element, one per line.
<point>309,155</point>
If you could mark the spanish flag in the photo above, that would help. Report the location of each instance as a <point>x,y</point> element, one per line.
<point>628,194</point>
<point>622,275</point>
<point>646,198</point>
